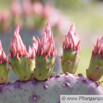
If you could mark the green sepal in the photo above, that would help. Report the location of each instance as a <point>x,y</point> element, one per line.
<point>70,61</point>
<point>4,73</point>
<point>95,70</point>
<point>44,67</point>
<point>21,68</point>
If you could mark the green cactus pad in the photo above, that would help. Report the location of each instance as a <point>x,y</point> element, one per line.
<point>69,61</point>
<point>31,63</point>
<point>21,68</point>
<point>95,70</point>
<point>4,73</point>
<point>44,67</point>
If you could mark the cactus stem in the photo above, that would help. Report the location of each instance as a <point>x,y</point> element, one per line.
<point>80,74</point>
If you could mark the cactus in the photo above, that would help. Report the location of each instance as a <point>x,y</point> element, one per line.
<point>4,70</point>
<point>95,70</point>
<point>20,59</point>
<point>71,48</point>
<point>45,58</point>
<point>37,65</point>
<point>48,91</point>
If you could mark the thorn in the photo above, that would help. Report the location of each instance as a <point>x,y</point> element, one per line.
<point>86,69</point>
<point>63,85</point>
<point>0,89</point>
<point>8,83</point>
<point>62,62</point>
<point>13,66</point>
<point>98,83</point>
<point>80,74</point>
<point>60,56</point>
<point>9,68</point>
<point>1,78</point>
<point>25,77</point>
<point>37,62</point>
<point>5,68</point>
<point>28,63</point>
<point>85,80</point>
<point>48,67</point>
<point>39,75</point>
<point>93,57</point>
<point>69,61</point>
<point>66,73</point>
<point>25,64</point>
<point>54,62</point>
<point>34,68</point>
<point>45,86</point>
<point>57,75</point>
<point>98,67</point>
<point>34,97</point>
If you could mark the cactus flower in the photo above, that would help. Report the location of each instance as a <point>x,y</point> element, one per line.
<point>4,71</point>
<point>18,56</point>
<point>71,48</point>
<point>45,57</point>
<point>95,70</point>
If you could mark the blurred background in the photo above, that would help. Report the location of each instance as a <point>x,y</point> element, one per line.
<point>31,16</point>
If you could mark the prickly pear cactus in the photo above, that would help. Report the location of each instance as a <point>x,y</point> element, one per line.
<point>48,91</point>
<point>95,70</point>
<point>71,48</point>
<point>45,58</point>
<point>37,83</point>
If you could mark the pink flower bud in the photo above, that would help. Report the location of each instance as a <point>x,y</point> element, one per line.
<point>16,46</point>
<point>46,44</point>
<point>98,48</point>
<point>31,53</point>
<point>71,40</point>
<point>3,58</point>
